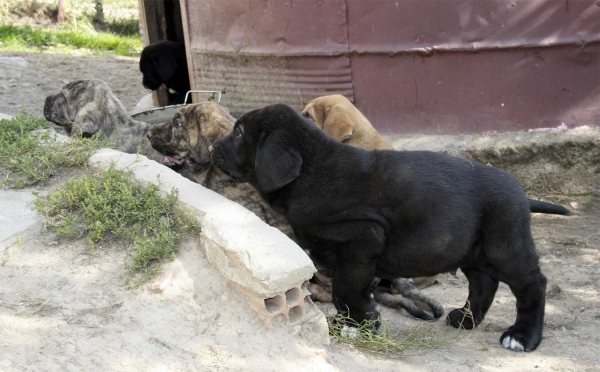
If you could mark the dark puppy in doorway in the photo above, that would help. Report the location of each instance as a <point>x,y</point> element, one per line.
<point>388,214</point>
<point>164,64</point>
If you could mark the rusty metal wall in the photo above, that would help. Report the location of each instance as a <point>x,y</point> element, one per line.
<point>410,65</point>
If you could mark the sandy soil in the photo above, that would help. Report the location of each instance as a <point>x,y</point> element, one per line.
<point>27,87</point>
<point>62,308</point>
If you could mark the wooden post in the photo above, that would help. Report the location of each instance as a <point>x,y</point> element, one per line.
<point>61,11</point>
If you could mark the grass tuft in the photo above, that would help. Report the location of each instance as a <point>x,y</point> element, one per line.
<point>25,38</point>
<point>385,341</point>
<point>113,205</point>
<point>28,156</point>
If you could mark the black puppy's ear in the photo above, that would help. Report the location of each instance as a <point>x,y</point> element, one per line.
<point>165,66</point>
<point>275,165</point>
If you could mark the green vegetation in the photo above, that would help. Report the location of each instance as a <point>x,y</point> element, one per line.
<point>32,26</point>
<point>101,207</point>
<point>384,341</point>
<point>26,39</point>
<point>28,156</point>
<point>113,205</point>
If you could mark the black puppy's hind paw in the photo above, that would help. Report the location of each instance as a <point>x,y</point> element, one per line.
<point>461,318</point>
<point>518,341</point>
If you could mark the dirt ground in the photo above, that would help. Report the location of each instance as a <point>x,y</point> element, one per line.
<point>27,87</point>
<point>62,308</point>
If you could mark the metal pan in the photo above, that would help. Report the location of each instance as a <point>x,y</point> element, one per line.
<point>163,114</point>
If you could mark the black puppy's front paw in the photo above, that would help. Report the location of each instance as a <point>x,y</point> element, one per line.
<point>352,330</point>
<point>461,318</point>
<point>516,340</point>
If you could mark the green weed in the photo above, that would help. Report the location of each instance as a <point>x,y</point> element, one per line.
<point>28,156</point>
<point>113,205</point>
<point>385,341</point>
<point>85,41</point>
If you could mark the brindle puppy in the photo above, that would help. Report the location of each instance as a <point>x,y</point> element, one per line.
<point>186,140</point>
<point>88,107</point>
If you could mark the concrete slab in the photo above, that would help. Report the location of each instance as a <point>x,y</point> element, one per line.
<point>257,259</point>
<point>17,220</point>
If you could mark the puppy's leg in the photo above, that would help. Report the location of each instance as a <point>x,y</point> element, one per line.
<point>409,290</point>
<point>482,289</point>
<point>384,297</point>
<point>526,333</point>
<point>510,249</point>
<point>352,290</point>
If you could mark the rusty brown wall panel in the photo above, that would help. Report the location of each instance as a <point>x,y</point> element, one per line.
<point>413,25</point>
<point>262,52</point>
<point>460,92</point>
<point>263,27</point>
<point>410,65</point>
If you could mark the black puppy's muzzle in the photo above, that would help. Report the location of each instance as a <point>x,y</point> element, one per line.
<point>216,156</point>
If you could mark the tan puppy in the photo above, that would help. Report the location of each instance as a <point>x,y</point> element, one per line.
<point>338,117</point>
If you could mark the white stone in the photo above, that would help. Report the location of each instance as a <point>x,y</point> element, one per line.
<point>17,221</point>
<point>253,255</point>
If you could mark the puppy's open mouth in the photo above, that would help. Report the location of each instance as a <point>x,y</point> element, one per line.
<point>171,161</point>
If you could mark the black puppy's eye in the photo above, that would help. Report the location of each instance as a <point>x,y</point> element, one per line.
<point>238,132</point>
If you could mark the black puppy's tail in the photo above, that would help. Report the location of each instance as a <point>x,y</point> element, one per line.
<point>538,206</point>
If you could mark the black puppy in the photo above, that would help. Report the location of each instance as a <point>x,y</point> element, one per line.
<point>164,62</point>
<point>393,213</point>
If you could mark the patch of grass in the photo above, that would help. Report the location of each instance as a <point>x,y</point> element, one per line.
<point>25,38</point>
<point>384,340</point>
<point>114,205</point>
<point>28,157</point>
<point>123,26</point>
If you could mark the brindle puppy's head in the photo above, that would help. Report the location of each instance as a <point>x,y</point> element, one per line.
<point>84,108</point>
<point>189,134</point>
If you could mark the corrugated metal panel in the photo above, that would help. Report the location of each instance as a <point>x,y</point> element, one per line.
<point>257,82</point>
<point>410,65</point>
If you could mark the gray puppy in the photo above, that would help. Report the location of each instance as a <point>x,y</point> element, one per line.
<point>88,107</point>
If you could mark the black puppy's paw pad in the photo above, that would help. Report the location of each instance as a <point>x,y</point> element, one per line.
<point>517,341</point>
<point>458,318</point>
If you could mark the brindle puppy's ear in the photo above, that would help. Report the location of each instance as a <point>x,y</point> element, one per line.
<point>275,164</point>
<point>88,129</point>
<point>338,124</point>
<point>85,124</point>
<point>210,128</point>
